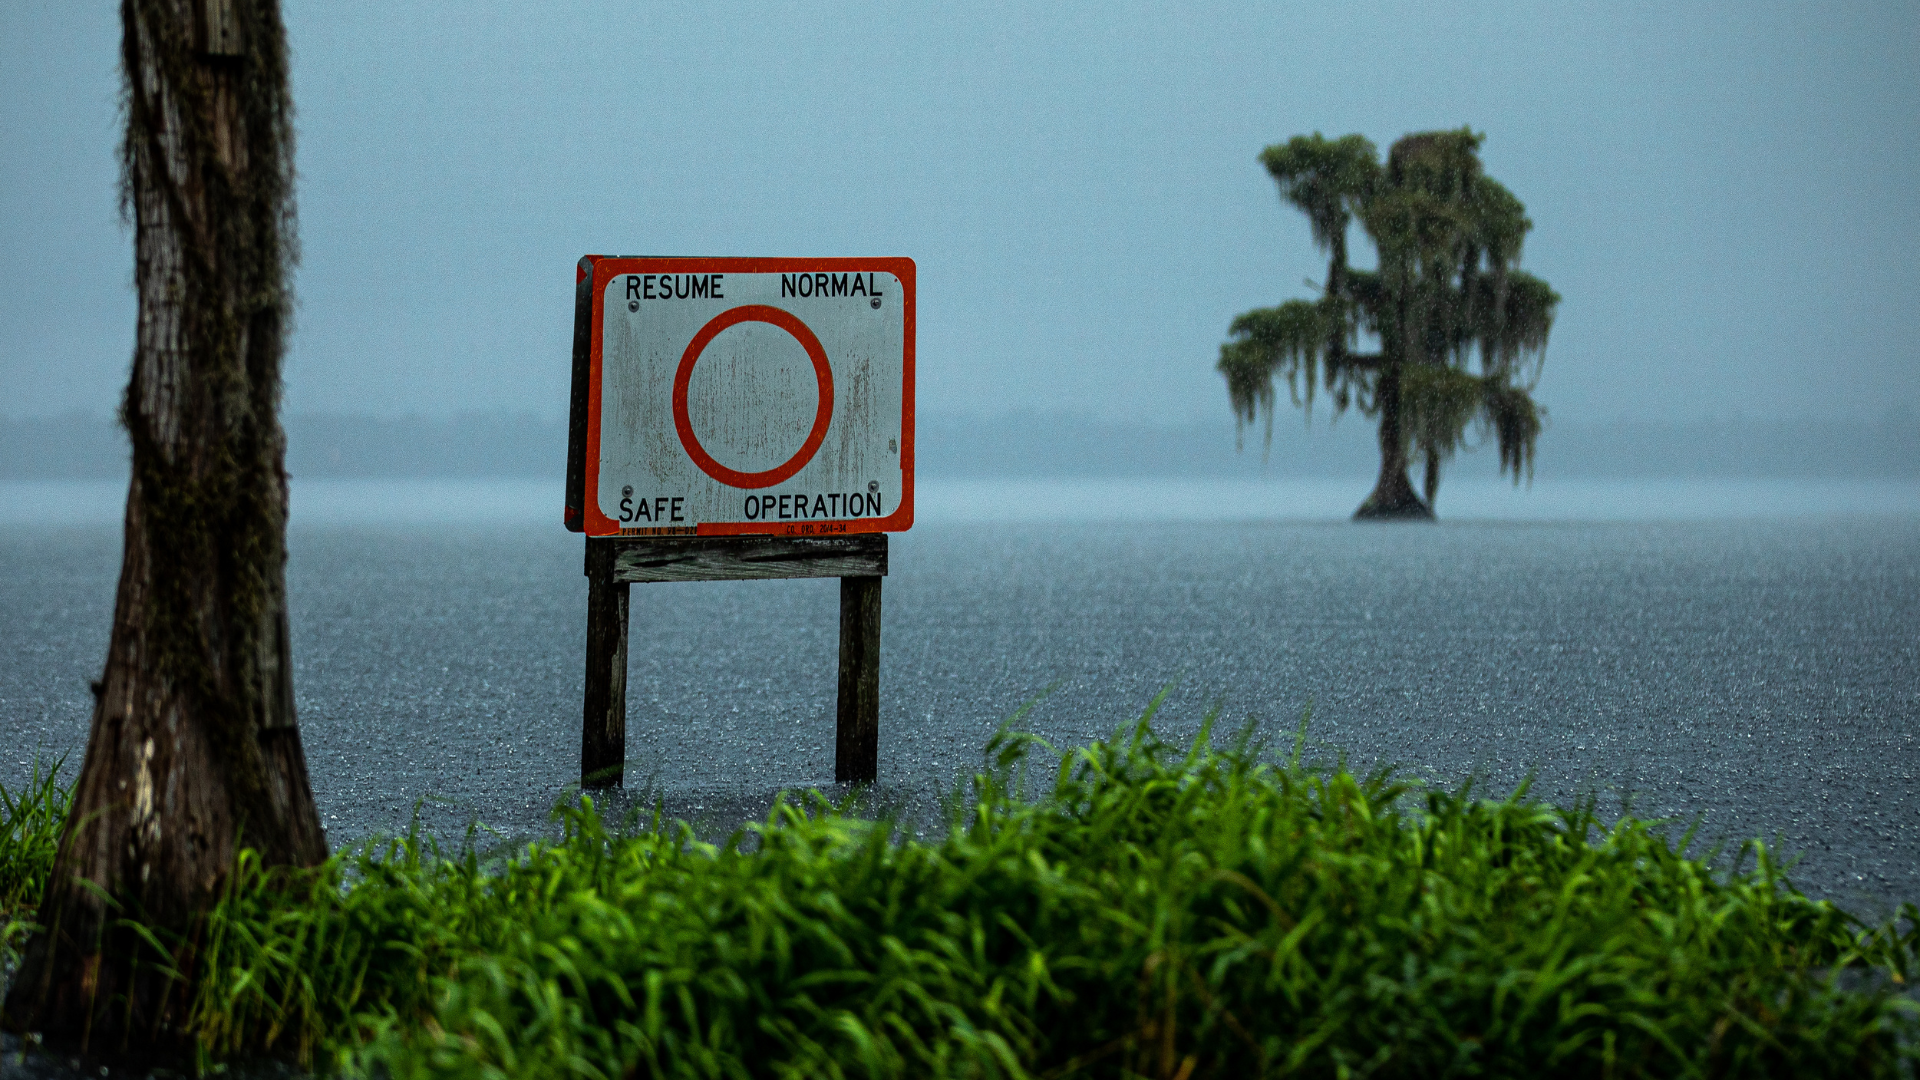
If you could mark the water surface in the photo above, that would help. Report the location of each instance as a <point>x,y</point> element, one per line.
<point>1755,669</point>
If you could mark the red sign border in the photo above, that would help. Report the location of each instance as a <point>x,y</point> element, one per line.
<point>606,268</point>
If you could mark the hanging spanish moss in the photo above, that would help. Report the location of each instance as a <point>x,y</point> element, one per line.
<point>1462,331</point>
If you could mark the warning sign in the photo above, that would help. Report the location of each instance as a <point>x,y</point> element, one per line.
<point>722,396</point>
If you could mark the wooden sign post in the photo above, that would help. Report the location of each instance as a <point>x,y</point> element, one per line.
<point>739,419</point>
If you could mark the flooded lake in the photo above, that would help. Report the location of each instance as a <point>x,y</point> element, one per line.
<point>1746,654</point>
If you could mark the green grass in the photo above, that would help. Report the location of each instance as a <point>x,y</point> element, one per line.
<point>1155,911</point>
<point>30,823</point>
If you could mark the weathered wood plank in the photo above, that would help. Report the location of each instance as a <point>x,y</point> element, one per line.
<point>738,558</point>
<point>603,728</point>
<point>856,752</point>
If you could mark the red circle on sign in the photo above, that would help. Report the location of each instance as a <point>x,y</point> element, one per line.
<point>683,424</point>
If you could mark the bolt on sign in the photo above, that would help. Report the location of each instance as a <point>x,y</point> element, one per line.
<point>716,397</point>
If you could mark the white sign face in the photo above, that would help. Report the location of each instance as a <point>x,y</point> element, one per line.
<point>744,396</point>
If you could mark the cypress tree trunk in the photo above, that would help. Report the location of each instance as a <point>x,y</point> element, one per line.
<point>1337,291</point>
<point>1393,496</point>
<point>194,750</point>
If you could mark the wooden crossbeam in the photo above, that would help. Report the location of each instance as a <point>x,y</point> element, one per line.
<point>738,558</point>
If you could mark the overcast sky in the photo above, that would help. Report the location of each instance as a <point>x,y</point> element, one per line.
<point>1723,194</point>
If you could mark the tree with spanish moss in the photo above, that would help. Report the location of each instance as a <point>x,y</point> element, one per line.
<point>1462,331</point>
<point>194,752</point>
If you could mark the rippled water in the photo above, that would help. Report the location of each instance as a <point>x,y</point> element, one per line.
<point>1753,664</point>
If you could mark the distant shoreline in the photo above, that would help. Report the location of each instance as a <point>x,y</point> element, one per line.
<point>470,504</point>
<point>1044,446</point>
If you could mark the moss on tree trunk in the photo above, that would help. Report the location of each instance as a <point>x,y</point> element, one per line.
<point>194,751</point>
